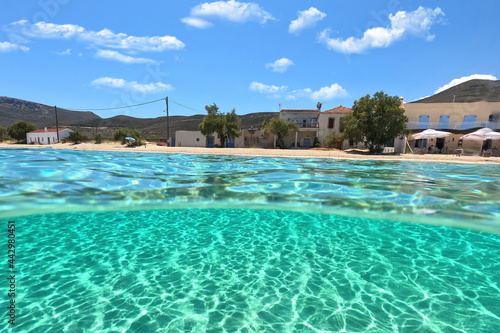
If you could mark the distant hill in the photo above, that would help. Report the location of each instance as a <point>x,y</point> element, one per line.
<point>13,110</point>
<point>467,92</point>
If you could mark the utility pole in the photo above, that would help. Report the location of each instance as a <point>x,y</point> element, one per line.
<point>57,124</point>
<point>168,124</point>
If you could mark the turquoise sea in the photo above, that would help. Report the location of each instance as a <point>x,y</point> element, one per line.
<point>137,242</point>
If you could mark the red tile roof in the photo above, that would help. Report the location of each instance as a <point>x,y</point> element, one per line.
<point>339,109</point>
<point>299,110</point>
<point>49,130</point>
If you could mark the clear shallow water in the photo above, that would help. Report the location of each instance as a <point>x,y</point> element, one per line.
<point>49,180</point>
<point>232,270</point>
<point>113,242</point>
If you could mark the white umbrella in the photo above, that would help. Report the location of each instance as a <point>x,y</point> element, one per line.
<point>430,134</point>
<point>481,135</point>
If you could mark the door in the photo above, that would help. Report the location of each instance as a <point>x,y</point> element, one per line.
<point>307,142</point>
<point>210,142</point>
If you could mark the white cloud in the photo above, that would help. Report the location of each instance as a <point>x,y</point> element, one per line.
<point>117,56</point>
<point>280,65</point>
<point>456,82</point>
<point>146,88</point>
<point>62,53</point>
<point>323,94</point>
<point>105,37</point>
<point>9,47</point>
<point>417,23</point>
<point>264,88</point>
<point>234,11</point>
<point>197,22</point>
<point>307,18</point>
<point>327,93</point>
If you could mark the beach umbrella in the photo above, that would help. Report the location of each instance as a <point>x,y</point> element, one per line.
<point>430,134</point>
<point>129,138</point>
<point>481,135</point>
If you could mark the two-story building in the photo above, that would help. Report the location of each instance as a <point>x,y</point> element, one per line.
<point>307,122</point>
<point>314,123</point>
<point>460,110</point>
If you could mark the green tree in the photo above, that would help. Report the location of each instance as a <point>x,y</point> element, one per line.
<point>225,125</point>
<point>3,132</point>
<point>98,138</point>
<point>280,128</point>
<point>229,126</point>
<point>18,130</point>
<point>210,123</point>
<point>121,133</point>
<point>75,137</point>
<point>375,121</point>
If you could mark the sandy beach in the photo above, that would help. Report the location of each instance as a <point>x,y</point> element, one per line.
<point>306,153</point>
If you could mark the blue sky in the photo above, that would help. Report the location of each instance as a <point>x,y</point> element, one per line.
<point>251,56</point>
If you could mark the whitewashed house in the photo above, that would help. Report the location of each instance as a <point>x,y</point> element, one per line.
<point>46,136</point>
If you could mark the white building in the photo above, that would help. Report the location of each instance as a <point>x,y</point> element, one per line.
<point>46,136</point>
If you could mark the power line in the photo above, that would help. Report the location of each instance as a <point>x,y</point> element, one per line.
<point>184,106</point>
<point>116,108</point>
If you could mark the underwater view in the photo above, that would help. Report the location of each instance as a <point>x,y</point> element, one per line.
<point>144,242</point>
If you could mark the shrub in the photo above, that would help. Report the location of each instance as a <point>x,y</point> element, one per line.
<point>75,137</point>
<point>98,138</point>
<point>3,132</point>
<point>333,140</point>
<point>316,143</point>
<point>154,138</point>
<point>122,133</point>
<point>18,130</point>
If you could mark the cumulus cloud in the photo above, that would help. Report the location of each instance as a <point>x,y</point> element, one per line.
<point>264,88</point>
<point>463,79</point>
<point>234,11</point>
<point>105,37</point>
<point>280,65</point>
<point>327,93</point>
<point>197,22</point>
<point>10,47</point>
<point>134,86</point>
<point>417,23</point>
<point>117,56</point>
<point>323,94</point>
<point>307,18</point>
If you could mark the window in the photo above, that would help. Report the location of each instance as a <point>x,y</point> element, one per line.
<point>423,122</point>
<point>197,139</point>
<point>444,121</point>
<point>469,121</point>
<point>331,122</point>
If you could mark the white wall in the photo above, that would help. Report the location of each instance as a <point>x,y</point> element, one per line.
<point>45,138</point>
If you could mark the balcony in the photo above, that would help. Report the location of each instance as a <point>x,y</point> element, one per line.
<point>453,126</point>
<point>308,124</point>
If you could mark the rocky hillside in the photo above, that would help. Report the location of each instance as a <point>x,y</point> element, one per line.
<point>12,110</point>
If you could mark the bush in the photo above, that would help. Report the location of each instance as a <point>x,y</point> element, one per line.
<point>98,138</point>
<point>154,138</point>
<point>3,132</point>
<point>18,130</point>
<point>122,133</point>
<point>316,143</point>
<point>75,137</point>
<point>333,140</point>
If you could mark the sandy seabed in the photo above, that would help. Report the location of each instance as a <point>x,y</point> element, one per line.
<point>306,153</point>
